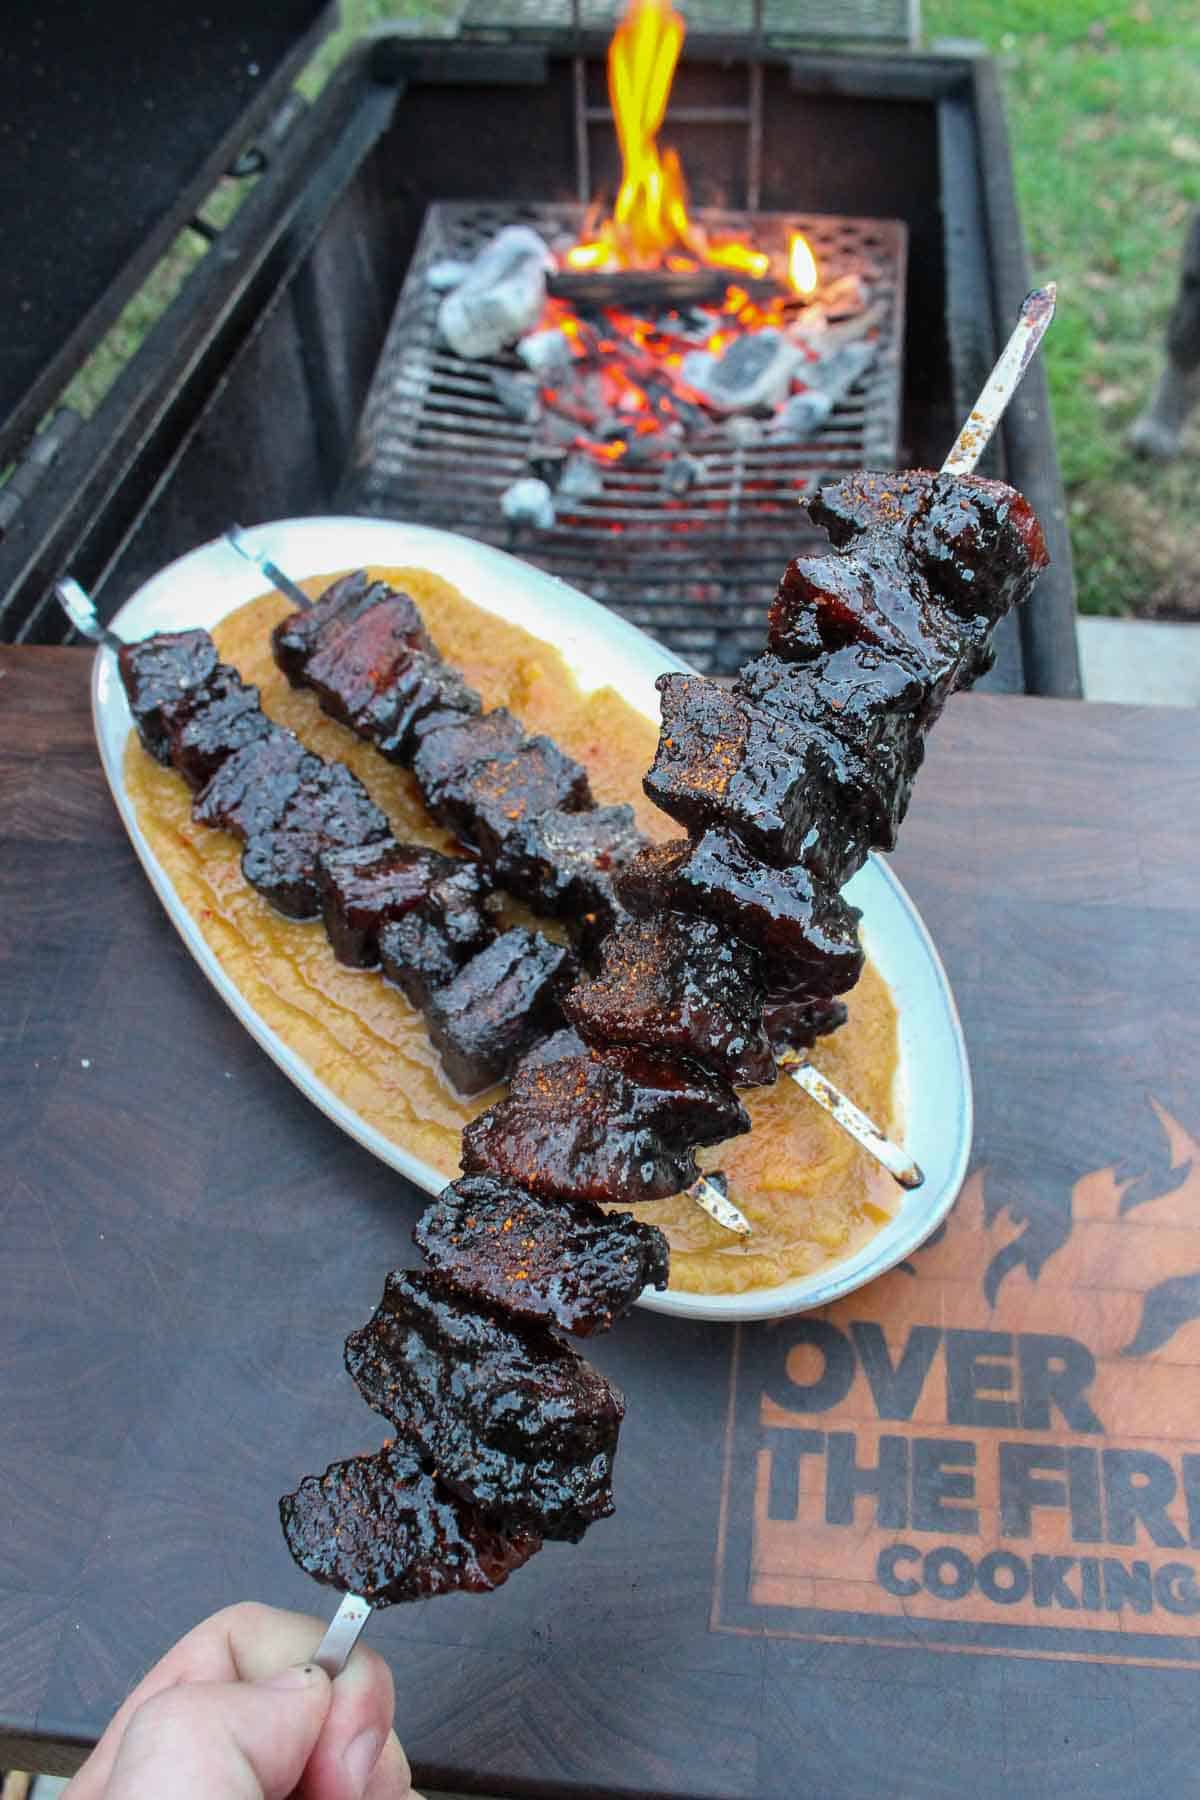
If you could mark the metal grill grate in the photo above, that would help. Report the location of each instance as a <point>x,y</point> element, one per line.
<point>436,446</point>
<point>781,21</point>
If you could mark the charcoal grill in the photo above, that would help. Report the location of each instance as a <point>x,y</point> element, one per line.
<point>253,398</point>
<point>695,571</point>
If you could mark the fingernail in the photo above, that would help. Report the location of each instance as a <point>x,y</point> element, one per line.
<point>360,1756</point>
<point>288,1680</point>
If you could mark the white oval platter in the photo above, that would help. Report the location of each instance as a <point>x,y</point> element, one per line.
<point>934,1084</point>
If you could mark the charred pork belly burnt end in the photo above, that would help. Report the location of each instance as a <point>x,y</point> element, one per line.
<point>483,1020</point>
<point>425,694</point>
<point>365,888</point>
<point>804,931</point>
<point>485,778</point>
<point>564,864</point>
<point>796,1023</point>
<point>680,984</point>
<point>227,715</point>
<point>562,1261</point>
<point>288,807</point>
<point>514,1421</point>
<point>349,669</point>
<point>163,677</point>
<point>295,637</point>
<point>615,1125</point>
<point>383,1527</point>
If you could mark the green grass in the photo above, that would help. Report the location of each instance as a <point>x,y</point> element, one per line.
<point>1104,115</point>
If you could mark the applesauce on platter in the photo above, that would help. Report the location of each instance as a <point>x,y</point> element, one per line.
<point>812,1195</point>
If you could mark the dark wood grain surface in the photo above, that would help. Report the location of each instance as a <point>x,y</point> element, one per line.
<point>184,1242</point>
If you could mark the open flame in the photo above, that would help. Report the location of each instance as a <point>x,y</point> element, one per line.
<point>649,226</point>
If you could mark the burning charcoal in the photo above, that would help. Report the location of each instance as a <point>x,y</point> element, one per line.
<point>352,667</point>
<point>528,502</point>
<point>226,715</point>
<point>845,296</point>
<point>805,932</point>
<point>365,887</point>
<point>515,1421</point>
<point>696,368</point>
<point>497,1004</point>
<point>295,637</point>
<point>755,370</point>
<point>563,863</point>
<point>446,274</point>
<point>383,1527</point>
<point>797,1024</point>
<point>581,479</point>
<point>445,756</point>
<point>547,354</point>
<point>746,432</point>
<point>548,462</point>
<point>684,985</point>
<point>517,394</point>
<point>500,298</point>
<point>561,1261</point>
<point>682,473</point>
<point>615,1125</point>
<point>834,375</point>
<point>802,417</point>
<point>163,677</point>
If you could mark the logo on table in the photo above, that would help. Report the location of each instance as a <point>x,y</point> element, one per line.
<point>995,1446</point>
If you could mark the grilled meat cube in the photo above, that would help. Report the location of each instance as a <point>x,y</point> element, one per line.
<point>295,637</point>
<point>328,810</point>
<point>562,1261</point>
<point>976,541</point>
<point>879,596</point>
<point>163,677</point>
<point>362,889</point>
<point>680,984</point>
<point>618,1124</point>
<point>514,1420</point>
<point>350,668</point>
<point>417,957</point>
<point>494,797</point>
<point>497,1004</point>
<point>565,1042</point>
<point>723,762</point>
<point>226,716</point>
<point>251,790</point>
<point>796,1024</point>
<point>383,1527</point>
<point>446,756</point>
<point>804,931</point>
<point>563,863</point>
<point>424,695</point>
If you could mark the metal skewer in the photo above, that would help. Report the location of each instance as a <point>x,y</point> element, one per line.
<point>345,1629</point>
<point>711,1194</point>
<point>236,538</point>
<point>1037,310</point>
<point>80,608</point>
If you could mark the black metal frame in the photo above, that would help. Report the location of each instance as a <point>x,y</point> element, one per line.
<point>260,308</point>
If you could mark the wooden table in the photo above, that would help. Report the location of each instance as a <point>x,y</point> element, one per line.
<point>1009,1605</point>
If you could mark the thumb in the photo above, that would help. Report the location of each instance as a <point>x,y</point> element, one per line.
<point>240,1740</point>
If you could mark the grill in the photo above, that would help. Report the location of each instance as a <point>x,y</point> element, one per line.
<point>436,445</point>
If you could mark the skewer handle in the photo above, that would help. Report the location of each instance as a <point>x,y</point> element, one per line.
<point>1033,320</point>
<point>345,1629</point>
<point>80,608</point>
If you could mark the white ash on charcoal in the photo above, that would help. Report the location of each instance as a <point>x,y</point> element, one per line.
<point>547,354</point>
<point>529,502</point>
<point>445,274</point>
<point>755,370</point>
<point>519,395</point>
<point>581,479</point>
<point>682,473</point>
<point>830,380</point>
<point>501,297</point>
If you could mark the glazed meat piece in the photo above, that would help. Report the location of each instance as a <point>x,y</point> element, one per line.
<point>977,541</point>
<point>364,888</point>
<point>682,985</point>
<point>564,1042</point>
<point>417,957</point>
<point>384,1528</point>
<point>424,695</point>
<point>348,669</point>
<point>487,797</point>
<point>796,1024</point>
<point>295,637</point>
<point>497,1004</point>
<point>614,1125</point>
<point>288,806</point>
<point>805,932</point>
<point>563,863</point>
<point>721,761</point>
<point>513,1420</point>
<point>163,677</point>
<point>225,717</point>
<point>446,756</point>
<point>562,1261</point>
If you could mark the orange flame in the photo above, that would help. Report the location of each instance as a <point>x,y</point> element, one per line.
<point>802,265</point>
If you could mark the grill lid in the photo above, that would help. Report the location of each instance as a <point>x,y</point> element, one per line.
<point>115,120</point>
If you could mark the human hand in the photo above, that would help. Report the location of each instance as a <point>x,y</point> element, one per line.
<point>236,1712</point>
